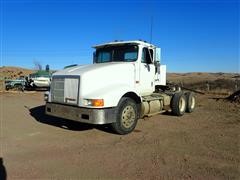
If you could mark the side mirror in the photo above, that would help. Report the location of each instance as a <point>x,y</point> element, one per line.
<point>157,67</point>
<point>158,54</point>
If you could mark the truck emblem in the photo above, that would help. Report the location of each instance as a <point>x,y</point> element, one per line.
<point>69,99</point>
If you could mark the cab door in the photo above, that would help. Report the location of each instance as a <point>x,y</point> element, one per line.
<point>147,72</point>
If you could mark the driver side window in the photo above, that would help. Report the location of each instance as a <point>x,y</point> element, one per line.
<point>147,56</point>
<point>103,57</point>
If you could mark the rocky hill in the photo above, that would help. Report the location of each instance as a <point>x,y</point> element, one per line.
<point>9,72</point>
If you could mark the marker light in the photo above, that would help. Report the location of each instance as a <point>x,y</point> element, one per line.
<point>95,102</point>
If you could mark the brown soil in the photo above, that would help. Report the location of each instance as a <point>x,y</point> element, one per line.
<point>2,86</point>
<point>200,145</point>
<point>8,72</point>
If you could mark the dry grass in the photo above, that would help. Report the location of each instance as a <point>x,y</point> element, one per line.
<point>200,77</point>
<point>214,83</point>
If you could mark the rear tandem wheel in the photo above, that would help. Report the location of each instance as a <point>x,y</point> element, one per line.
<point>178,104</point>
<point>191,102</point>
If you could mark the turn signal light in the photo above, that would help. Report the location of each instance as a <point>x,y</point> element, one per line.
<point>97,102</point>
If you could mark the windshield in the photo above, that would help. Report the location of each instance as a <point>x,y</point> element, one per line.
<point>124,53</point>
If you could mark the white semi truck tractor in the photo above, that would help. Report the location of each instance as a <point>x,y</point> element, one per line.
<point>125,83</point>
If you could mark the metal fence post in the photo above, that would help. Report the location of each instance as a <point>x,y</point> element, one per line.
<point>207,86</point>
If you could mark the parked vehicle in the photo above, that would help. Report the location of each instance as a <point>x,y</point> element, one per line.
<point>15,83</point>
<point>125,82</point>
<point>40,79</point>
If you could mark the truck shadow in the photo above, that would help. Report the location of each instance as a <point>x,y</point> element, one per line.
<point>39,115</point>
<point>3,172</point>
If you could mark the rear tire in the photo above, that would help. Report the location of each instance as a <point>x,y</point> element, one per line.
<point>7,88</point>
<point>191,102</point>
<point>178,104</point>
<point>18,87</point>
<point>127,116</point>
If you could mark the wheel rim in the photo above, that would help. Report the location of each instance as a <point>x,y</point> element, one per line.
<point>128,116</point>
<point>193,103</point>
<point>182,104</point>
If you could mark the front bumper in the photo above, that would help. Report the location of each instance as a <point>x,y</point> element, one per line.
<point>85,115</point>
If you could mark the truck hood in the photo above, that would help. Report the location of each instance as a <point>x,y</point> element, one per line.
<point>98,81</point>
<point>83,69</point>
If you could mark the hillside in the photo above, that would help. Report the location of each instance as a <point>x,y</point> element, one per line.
<point>196,77</point>
<point>214,82</point>
<point>9,72</point>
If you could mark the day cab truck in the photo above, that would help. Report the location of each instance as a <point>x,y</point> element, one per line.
<point>125,83</point>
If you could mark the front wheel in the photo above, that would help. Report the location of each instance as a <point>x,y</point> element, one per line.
<point>127,116</point>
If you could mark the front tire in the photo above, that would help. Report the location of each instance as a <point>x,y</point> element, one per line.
<point>127,116</point>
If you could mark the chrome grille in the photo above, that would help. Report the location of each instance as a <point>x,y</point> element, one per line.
<point>65,89</point>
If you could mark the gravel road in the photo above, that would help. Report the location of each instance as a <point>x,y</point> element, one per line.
<point>200,145</point>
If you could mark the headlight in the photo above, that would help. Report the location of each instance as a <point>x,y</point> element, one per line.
<point>46,94</point>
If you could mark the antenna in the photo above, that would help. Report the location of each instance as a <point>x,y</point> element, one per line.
<point>151,29</point>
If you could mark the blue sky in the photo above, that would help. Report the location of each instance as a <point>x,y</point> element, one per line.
<point>195,35</point>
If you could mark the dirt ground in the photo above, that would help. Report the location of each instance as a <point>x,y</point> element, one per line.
<point>200,145</point>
